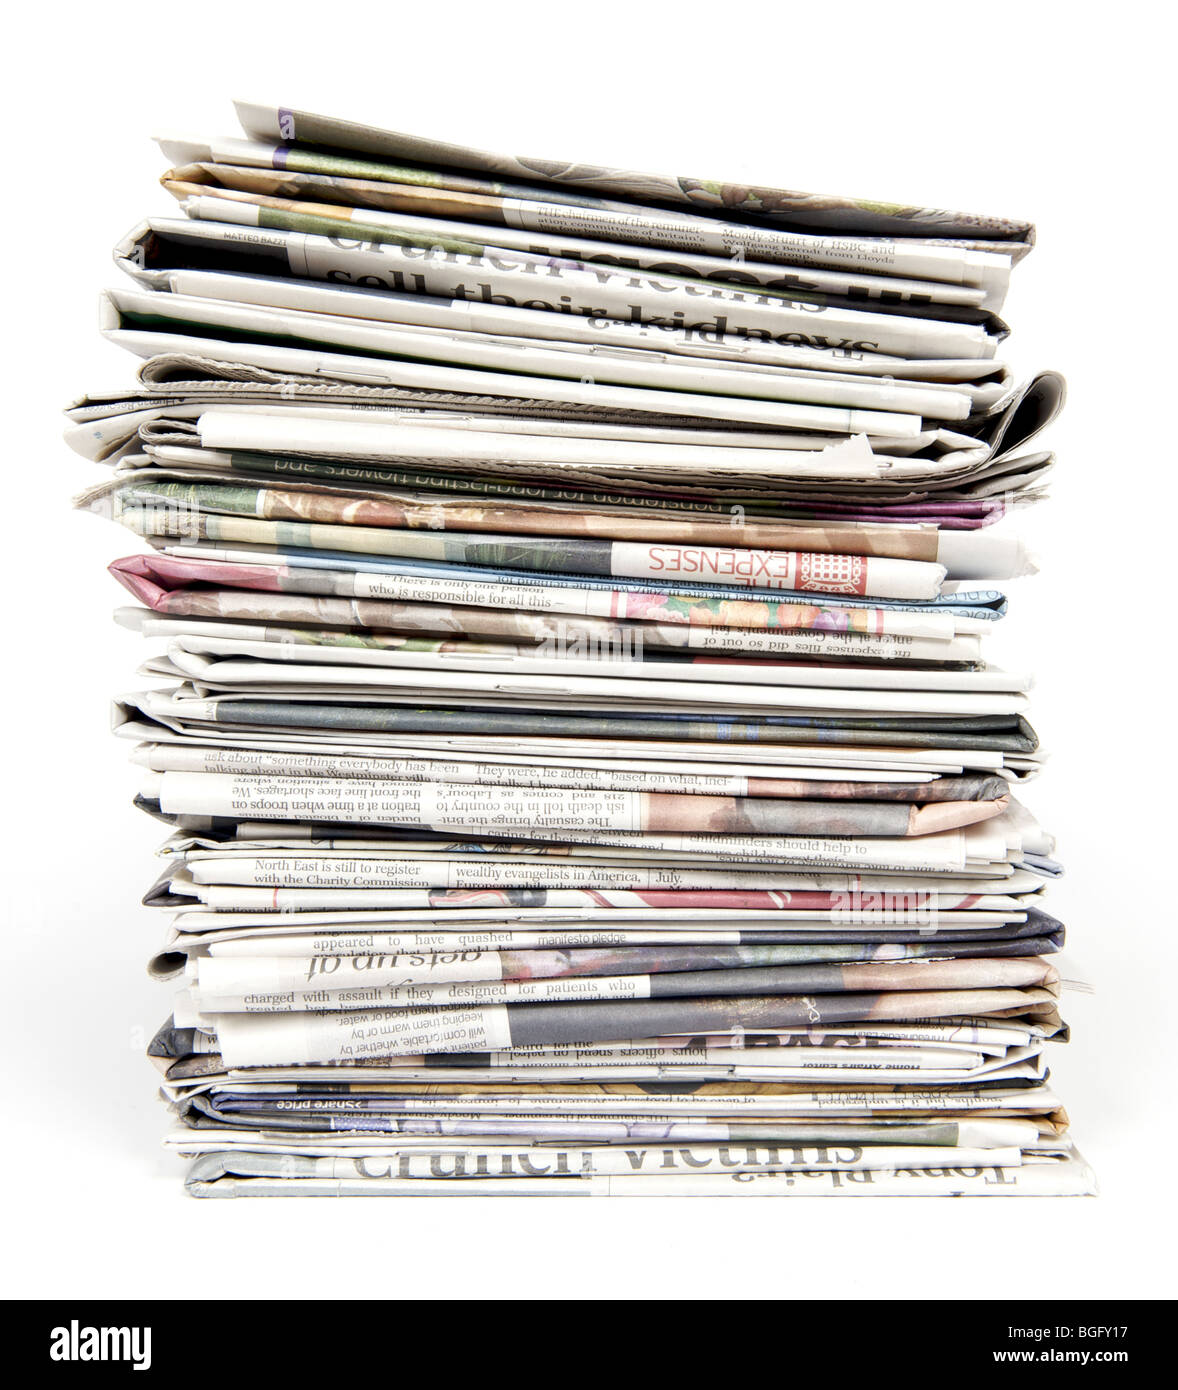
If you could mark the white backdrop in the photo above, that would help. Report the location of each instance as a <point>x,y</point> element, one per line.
<point>1028,111</point>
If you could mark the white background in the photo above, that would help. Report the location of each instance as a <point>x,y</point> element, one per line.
<point>1060,113</point>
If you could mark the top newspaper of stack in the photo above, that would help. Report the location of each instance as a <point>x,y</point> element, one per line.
<point>581,326</point>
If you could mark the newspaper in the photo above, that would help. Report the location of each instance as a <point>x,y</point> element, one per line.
<point>137,507</point>
<point>262,1175</point>
<point>992,555</point>
<point>256,984</point>
<point>286,269</point>
<point>546,445</point>
<point>362,604</point>
<point>839,288</point>
<point>147,323</point>
<point>292,126</point>
<point>540,206</point>
<point>542,642</point>
<point>615,356</point>
<point>502,810</point>
<point>163,757</point>
<point>279,1038</point>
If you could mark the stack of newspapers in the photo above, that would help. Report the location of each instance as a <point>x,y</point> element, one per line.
<point>567,603</point>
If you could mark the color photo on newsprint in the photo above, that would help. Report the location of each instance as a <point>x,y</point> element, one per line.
<point>566,595</point>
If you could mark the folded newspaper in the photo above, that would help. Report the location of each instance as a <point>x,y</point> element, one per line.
<point>566,594</point>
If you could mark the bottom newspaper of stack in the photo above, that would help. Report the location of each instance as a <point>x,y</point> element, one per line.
<point>727,927</point>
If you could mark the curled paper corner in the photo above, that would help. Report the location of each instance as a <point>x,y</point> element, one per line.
<point>96,500</point>
<point>131,618</point>
<point>181,149</point>
<point>85,440</point>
